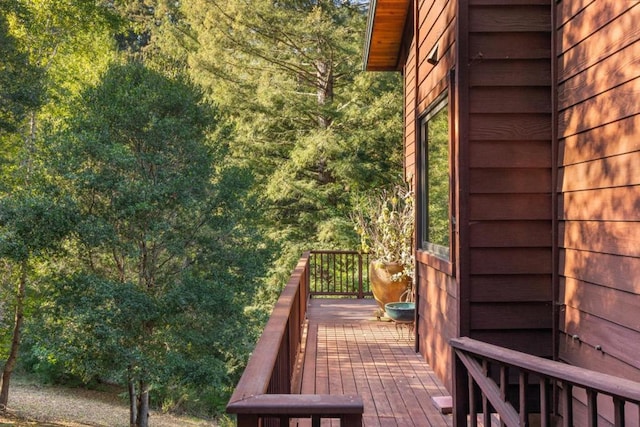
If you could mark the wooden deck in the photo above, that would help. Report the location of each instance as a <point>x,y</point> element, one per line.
<point>349,351</point>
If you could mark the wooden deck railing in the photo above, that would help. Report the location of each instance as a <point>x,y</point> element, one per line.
<point>265,395</point>
<point>339,274</point>
<point>488,368</point>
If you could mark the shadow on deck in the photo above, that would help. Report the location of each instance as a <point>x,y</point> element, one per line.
<point>348,351</point>
<point>325,361</point>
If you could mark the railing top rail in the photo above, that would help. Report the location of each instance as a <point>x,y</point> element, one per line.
<point>602,383</point>
<point>257,374</point>
<point>299,405</point>
<point>332,251</point>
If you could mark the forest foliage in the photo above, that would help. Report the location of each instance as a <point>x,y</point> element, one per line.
<point>163,166</point>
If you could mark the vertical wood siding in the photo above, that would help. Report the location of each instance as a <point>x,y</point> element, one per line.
<point>409,114</point>
<point>510,174</point>
<point>598,61</point>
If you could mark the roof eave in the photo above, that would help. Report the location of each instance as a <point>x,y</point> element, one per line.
<point>392,24</point>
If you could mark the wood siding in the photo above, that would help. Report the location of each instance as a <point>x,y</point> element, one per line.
<point>598,47</point>
<point>547,178</point>
<point>498,286</point>
<point>437,300</point>
<point>509,198</point>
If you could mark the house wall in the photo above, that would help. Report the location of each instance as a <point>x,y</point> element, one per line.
<point>515,182</point>
<point>437,289</point>
<point>598,60</point>
<point>498,287</point>
<point>508,229</point>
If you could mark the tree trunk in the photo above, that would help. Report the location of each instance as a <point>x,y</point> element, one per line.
<point>324,90</point>
<point>133,412</point>
<point>15,341</point>
<point>143,406</point>
<point>30,144</point>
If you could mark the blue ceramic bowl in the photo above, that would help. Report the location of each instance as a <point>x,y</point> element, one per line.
<point>401,311</point>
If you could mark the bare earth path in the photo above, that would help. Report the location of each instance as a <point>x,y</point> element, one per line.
<point>58,406</point>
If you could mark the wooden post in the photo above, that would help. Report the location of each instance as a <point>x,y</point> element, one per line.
<point>460,392</point>
<point>247,420</point>
<point>360,284</point>
<point>351,420</point>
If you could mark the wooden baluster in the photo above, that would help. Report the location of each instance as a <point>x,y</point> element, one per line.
<point>344,273</point>
<point>351,420</point>
<point>341,265</point>
<point>320,273</point>
<point>473,413</point>
<point>545,412</point>
<point>567,405</point>
<point>592,408</point>
<point>335,276</point>
<point>486,411</point>
<point>504,385</point>
<point>317,272</point>
<point>360,284</point>
<point>354,286</point>
<point>352,278</point>
<point>247,420</point>
<point>523,384</point>
<point>618,412</point>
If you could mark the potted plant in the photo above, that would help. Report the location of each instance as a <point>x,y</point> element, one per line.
<point>384,222</point>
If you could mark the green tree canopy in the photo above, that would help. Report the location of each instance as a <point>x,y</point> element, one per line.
<point>313,126</point>
<point>144,159</point>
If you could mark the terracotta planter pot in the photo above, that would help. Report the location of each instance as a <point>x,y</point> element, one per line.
<point>384,289</point>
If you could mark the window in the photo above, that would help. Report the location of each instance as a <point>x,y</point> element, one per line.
<point>435,180</point>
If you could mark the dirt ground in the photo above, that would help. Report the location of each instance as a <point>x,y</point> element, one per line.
<point>44,406</point>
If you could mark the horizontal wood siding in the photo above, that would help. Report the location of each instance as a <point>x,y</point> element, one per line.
<point>598,61</point>
<point>438,299</point>
<point>437,308</point>
<point>510,174</point>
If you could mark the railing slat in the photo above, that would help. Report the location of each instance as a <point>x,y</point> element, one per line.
<point>545,411</point>
<point>504,409</point>
<point>486,411</point>
<point>618,412</point>
<point>613,386</point>
<point>263,394</point>
<point>592,408</point>
<point>522,392</point>
<point>469,353</point>
<point>360,287</point>
<point>473,413</point>
<point>338,273</point>
<point>504,384</point>
<point>247,420</point>
<point>567,405</point>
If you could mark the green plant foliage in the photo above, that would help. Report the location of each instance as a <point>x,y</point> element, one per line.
<point>161,276</point>
<point>385,222</point>
<point>70,41</point>
<point>175,220</point>
<point>438,179</point>
<point>32,224</point>
<point>20,82</point>
<point>315,129</point>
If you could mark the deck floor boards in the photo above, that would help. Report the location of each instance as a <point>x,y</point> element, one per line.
<point>349,351</point>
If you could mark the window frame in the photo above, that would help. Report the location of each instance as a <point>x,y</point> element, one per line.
<point>437,256</point>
